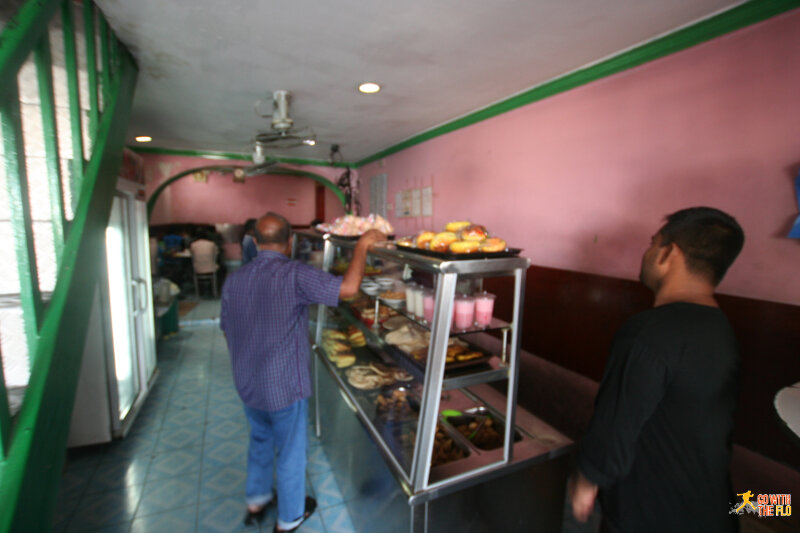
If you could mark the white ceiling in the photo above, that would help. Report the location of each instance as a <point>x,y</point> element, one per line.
<point>204,64</point>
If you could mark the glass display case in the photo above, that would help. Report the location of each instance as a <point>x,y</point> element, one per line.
<point>431,376</point>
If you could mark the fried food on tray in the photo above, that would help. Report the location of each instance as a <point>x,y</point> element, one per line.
<point>473,232</point>
<point>424,239</point>
<point>458,225</point>
<point>465,247</point>
<point>441,241</point>
<point>493,244</point>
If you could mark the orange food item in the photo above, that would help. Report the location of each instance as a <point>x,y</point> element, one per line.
<point>465,247</point>
<point>457,226</point>
<point>474,232</point>
<point>493,244</point>
<point>442,241</point>
<point>424,239</point>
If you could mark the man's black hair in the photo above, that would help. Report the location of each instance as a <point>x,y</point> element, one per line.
<point>249,224</point>
<point>709,238</point>
<point>281,236</point>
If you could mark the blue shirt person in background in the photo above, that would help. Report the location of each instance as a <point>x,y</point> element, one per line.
<point>265,320</point>
<point>249,249</point>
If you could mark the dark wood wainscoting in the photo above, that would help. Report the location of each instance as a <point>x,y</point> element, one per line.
<point>570,318</point>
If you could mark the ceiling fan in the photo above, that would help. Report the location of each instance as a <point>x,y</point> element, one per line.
<point>283,134</point>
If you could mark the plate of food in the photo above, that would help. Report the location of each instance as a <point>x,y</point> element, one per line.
<point>393,298</point>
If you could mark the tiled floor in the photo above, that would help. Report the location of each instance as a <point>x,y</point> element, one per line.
<point>182,466</point>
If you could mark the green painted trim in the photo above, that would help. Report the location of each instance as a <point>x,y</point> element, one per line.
<point>210,154</point>
<point>705,30</point>
<point>105,60</point>
<point>44,74</point>
<point>91,64</point>
<point>30,476</point>
<point>71,68</point>
<point>151,202</point>
<point>21,221</point>
<point>316,177</point>
<point>19,37</point>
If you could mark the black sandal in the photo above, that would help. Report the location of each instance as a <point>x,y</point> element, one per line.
<point>256,517</point>
<point>311,505</point>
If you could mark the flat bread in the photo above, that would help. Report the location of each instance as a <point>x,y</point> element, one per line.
<point>364,377</point>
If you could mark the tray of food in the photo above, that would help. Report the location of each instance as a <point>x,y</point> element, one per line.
<point>397,404</point>
<point>481,428</point>
<point>459,355</point>
<point>460,240</point>
<point>446,448</point>
<point>453,256</point>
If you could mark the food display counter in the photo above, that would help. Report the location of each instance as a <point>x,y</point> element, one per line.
<point>415,401</point>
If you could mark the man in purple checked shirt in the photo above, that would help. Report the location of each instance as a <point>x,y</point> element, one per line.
<point>265,320</point>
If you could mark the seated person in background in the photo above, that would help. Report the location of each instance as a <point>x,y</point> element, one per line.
<point>249,249</point>
<point>204,255</point>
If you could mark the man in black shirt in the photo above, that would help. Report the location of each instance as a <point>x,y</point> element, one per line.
<point>659,442</point>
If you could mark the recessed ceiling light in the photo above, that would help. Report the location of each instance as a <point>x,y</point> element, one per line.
<point>369,87</point>
<point>143,138</point>
<point>309,142</point>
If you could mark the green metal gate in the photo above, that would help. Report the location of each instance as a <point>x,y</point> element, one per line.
<point>51,142</point>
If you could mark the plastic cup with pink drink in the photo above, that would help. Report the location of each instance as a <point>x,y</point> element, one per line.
<point>484,308</point>
<point>465,311</point>
<point>428,305</point>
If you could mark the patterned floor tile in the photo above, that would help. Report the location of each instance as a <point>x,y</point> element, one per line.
<point>223,515</point>
<point>113,475</point>
<point>73,483</point>
<point>104,509</point>
<point>225,429</point>
<point>337,519</point>
<point>225,409</point>
<point>65,507</point>
<point>188,400</point>
<point>223,482</point>
<point>168,494</point>
<point>135,444</point>
<point>317,461</point>
<point>217,454</point>
<point>184,417</point>
<point>180,437</point>
<point>181,520</point>
<point>326,490</point>
<point>175,463</point>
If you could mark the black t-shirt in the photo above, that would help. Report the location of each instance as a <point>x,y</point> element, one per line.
<point>659,442</point>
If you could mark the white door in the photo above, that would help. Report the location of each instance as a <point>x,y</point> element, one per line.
<point>123,294</point>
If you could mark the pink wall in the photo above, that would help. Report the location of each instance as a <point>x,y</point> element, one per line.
<point>219,200</point>
<point>581,180</point>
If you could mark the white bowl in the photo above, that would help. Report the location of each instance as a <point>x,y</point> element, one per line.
<point>385,283</point>
<point>372,290</point>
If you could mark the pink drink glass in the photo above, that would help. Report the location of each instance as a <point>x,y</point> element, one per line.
<point>465,312</point>
<point>484,308</point>
<point>428,304</point>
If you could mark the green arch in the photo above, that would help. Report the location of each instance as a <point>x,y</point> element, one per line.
<point>151,202</point>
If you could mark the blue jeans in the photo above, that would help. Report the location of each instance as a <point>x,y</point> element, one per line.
<point>284,432</point>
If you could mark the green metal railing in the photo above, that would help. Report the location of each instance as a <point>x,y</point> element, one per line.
<point>33,443</point>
